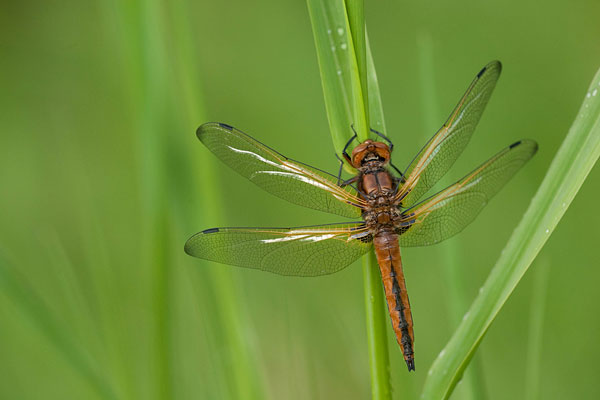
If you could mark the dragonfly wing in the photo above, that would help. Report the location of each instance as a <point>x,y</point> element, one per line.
<point>301,251</point>
<point>442,150</point>
<point>288,179</point>
<point>449,211</point>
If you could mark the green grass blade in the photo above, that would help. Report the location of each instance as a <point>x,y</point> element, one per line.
<point>152,143</point>
<point>355,10</point>
<point>244,378</point>
<point>145,50</point>
<point>375,106</point>
<point>347,68</point>
<point>339,71</point>
<point>536,329</point>
<point>377,321</point>
<point>571,165</point>
<point>230,322</point>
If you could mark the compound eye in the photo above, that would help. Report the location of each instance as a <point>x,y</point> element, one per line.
<point>357,158</point>
<point>384,153</point>
<point>359,153</point>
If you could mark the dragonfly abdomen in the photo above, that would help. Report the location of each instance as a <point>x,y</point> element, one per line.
<point>390,265</point>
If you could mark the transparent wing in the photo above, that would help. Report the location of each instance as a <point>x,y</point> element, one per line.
<point>288,179</point>
<point>451,210</point>
<point>442,150</point>
<point>301,251</point>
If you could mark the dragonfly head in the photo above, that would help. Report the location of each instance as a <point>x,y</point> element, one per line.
<point>369,152</point>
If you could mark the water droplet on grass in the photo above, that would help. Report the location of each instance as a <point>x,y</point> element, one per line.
<point>343,46</point>
<point>340,31</point>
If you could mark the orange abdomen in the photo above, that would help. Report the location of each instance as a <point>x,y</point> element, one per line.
<point>390,265</point>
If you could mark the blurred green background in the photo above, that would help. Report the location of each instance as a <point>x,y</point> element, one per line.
<point>102,180</point>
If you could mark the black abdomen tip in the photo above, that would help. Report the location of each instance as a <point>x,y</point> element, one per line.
<point>410,363</point>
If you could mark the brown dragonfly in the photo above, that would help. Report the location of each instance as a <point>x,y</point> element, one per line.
<point>384,202</point>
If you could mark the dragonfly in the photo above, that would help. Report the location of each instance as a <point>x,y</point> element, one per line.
<point>384,204</point>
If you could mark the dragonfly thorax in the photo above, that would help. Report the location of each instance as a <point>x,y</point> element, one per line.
<point>376,185</point>
<point>381,212</point>
<point>381,219</point>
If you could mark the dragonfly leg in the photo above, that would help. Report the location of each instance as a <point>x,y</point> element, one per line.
<point>397,183</point>
<point>339,177</point>
<point>345,151</point>
<point>381,135</point>
<point>402,178</point>
<point>350,181</point>
<point>341,182</point>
